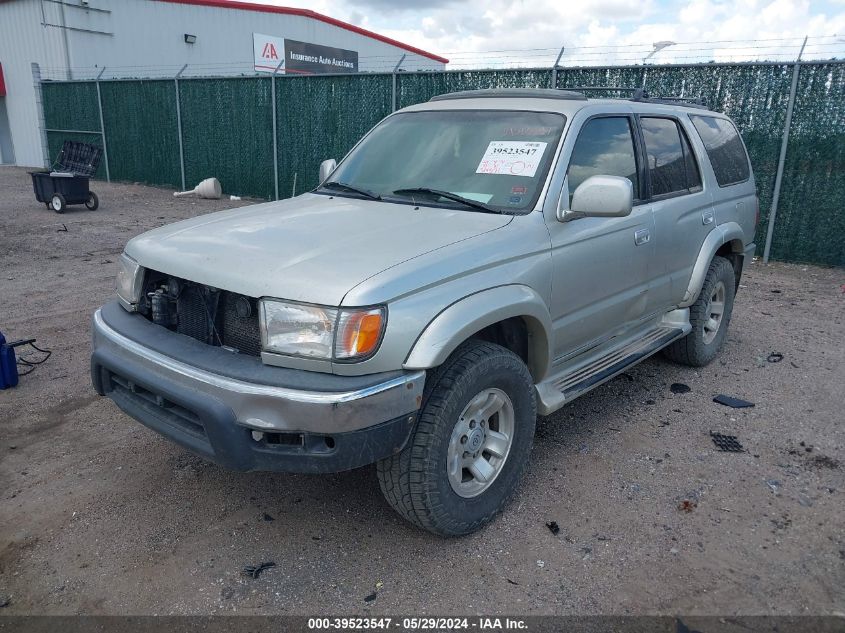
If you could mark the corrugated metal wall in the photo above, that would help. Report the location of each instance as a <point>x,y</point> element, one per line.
<point>24,40</point>
<point>227,129</point>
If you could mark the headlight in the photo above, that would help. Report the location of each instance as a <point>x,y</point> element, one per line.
<point>130,278</point>
<point>318,332</point>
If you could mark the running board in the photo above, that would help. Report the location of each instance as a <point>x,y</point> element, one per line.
<point>579,377</point>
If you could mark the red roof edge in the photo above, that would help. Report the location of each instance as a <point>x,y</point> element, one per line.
<point>308,13</point>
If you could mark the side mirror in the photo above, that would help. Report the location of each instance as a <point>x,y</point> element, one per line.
<point>601,197</point>
<point>326,168</point>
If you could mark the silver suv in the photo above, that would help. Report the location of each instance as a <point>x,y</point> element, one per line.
<point>474,261</point>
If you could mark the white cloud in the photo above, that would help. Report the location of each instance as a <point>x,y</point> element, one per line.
<point>597,31</point>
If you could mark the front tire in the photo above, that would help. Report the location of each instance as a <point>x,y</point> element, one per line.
<point>710,317</point>
<point>471,444</point>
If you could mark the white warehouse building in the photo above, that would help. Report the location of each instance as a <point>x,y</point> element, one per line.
<point>86,39</point>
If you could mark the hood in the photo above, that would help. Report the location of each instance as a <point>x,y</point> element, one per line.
<point>312,248</point>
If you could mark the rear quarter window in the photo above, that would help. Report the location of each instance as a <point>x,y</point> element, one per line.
<point>724,149</point>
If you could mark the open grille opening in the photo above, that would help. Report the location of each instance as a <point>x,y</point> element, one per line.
<point>213,316</point>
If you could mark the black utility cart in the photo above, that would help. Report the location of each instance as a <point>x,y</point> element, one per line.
<point>68,183</point>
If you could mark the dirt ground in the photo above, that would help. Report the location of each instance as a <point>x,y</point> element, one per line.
<point>101,516</point>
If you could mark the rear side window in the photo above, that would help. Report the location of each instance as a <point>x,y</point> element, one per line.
<point>605,147</point>
<point>671,165</point>
<point>724,148</point>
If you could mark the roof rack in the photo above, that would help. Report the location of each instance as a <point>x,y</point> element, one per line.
<point>515,93</point>
<point>641,96</point>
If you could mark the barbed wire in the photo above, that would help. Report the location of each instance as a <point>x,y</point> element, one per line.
<point>778,50</point>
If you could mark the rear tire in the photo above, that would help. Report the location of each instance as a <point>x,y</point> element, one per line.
<point>92,202</point>
<point>471,444</point>
<point>58,203</point>
<point>710,317</point>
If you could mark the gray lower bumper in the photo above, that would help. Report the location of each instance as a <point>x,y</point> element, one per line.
<point>266,407</point>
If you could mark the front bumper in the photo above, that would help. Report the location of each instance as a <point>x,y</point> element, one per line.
<point>234,410</point>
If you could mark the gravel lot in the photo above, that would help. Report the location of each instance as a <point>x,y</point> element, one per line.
<point>102,516</point>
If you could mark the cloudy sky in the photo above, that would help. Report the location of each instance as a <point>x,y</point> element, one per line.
<point>598,31</point>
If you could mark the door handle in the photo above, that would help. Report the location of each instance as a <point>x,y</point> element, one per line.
<point>707,217</point>
<point>643,236</point>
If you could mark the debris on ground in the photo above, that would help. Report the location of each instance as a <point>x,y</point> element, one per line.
<point>254,571</point>
<point>4,601</point>
<point>774,357</point>
<point>774,484</point>
<point>687,506</point>
<point>371,597</point>
<point>679,387</point>
<point>734,403</point>
<point>554,528</point>
<point>513,582</point>
<point>541,563</point>
<point>823,461</point>
<point>267,517</point>
<point>63,229</point>
<point>726,443</point>
<point>379,585</point>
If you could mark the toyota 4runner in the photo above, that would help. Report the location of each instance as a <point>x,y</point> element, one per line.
<point>474,261</point>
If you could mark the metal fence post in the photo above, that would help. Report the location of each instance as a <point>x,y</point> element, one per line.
<point>102,126</point>
<point>275,139</point>
<point>39,108</point>
<point>554,68</point>
<point>179,125</point>
<point>395,70</point>
<point>773,213</point>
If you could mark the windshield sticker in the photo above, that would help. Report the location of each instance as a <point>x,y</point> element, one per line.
<point>478,197</point>
<point>512,158</point>
<point>529,131</point>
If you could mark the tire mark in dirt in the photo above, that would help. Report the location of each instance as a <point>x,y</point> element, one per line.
<point>51,418</point>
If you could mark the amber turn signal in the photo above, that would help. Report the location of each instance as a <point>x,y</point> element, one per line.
<point>358,333</point>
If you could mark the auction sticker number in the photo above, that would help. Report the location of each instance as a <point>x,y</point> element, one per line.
<point>512,158</point>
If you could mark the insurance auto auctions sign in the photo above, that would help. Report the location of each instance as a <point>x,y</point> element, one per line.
<point>300,57</point>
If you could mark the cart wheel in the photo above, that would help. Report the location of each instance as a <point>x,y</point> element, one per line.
<point>93,201</point>
<point>57,203</point>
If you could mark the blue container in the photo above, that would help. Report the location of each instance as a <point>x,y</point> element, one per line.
<point>8,365</point>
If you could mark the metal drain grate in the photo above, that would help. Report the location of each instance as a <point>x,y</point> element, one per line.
<point>727,443</point>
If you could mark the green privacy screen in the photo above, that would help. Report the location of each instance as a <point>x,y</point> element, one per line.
<point>323,117</point>
<point>227,132</point>
<point>71,106</point>
<point>810,224</point>
<point>141,131</point>
<point>227,129</point>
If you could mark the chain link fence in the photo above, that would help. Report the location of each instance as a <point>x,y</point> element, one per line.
<point>267,140</point>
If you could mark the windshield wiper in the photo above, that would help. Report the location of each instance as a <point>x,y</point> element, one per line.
<point>334,184</point>
<point>475,204</point>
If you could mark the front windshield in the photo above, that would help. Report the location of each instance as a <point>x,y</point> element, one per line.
<point>496,158</point>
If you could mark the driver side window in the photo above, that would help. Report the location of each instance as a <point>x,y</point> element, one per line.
<point>605,146</point>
